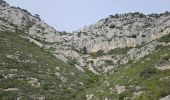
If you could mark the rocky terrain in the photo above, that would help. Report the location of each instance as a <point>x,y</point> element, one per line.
<point>121,57</point>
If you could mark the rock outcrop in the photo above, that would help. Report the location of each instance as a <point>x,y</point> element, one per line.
<point>107,60</point>
<point>132,30</point>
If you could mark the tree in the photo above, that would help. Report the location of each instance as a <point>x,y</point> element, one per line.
<point>112,26</point>
<point>141,15</point>
<point>84,50</point>
<point>116,15</point>
<point>1,2</point>
<point>37,16</point>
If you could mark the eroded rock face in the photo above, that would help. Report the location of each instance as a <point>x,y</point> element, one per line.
<point>102,48</point>
<point>125,31</point>
<point>166,98</point>
<point>128,31</point>
<point>16,18</point>
<point>132,30</point>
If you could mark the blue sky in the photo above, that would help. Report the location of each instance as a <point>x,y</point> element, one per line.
<point>70,15</point>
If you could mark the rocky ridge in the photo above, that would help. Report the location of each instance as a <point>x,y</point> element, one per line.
<point>103,48</point>
<point>130,30</point>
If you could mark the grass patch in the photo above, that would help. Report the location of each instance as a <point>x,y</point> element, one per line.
<point>117,51</point>
<point>165,38</point>
<point>99,53</point>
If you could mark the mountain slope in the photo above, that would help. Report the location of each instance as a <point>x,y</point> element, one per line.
<point>28,72</point>
<point>145,79</point>
<point>121,57</point>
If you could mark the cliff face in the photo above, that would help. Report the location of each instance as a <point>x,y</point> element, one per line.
<point>123,31</point>
<point>101,60</point>
<point>134,33</point>
<point>126,30</point>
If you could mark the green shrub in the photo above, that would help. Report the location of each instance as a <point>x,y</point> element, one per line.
<point>165,38</point>
<point>148,72</point>
<point>109,62</point>
<point>97,54</point>
<point>1,76</point>
<point>164,59</point>
<point>29,25</point>
<point>118,51</point>
<point>83,50</point>
<point>112,26</point>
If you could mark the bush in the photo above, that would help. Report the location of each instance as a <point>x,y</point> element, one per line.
<point>92,79</point>
<point>116,15</point>
<point>112,26</point>
<point>118,51</point>
<point>29,25</point>
<point>97,54</point>
<point>133,36</point>
<point>165,38</point>
<point>148,72</point>
<point>37,16</point>
<point>83,50</point>
<point>1,76</point>
<point>109,62</point>
<point>1,1</point>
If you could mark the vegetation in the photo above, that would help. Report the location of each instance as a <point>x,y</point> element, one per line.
<point>2,2</point>
<point>117,51</point>
<point>138,77</point>
<point>109,62</point>
<point>148,72</point>
<point>29,25</point>
<point>165,38</point>
<point>36,73</point>
<point>84,50</point>
<point>112,26</point>
<point>37,16</point>
<point>99,53</point>
<point>29,72</point>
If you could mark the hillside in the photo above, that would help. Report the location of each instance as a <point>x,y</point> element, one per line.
<point>121,57</point>
<point>28,72</point>
<point>145,79</point>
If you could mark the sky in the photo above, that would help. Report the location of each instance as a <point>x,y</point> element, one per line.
<point>71,15</point>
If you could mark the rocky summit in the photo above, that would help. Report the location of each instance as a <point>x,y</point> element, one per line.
<point>122,57</point>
